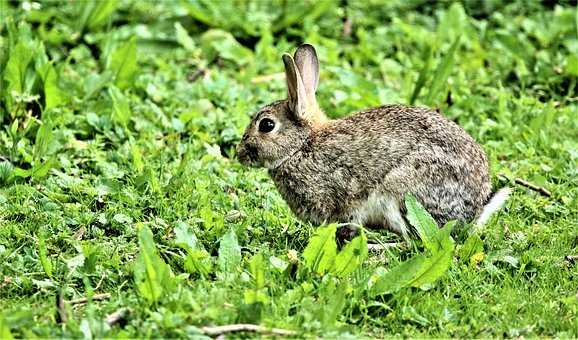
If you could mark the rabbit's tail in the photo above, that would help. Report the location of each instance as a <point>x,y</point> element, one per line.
<point>496,203</point>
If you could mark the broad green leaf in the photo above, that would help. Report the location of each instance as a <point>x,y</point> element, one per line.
<point>123,64</point>
<point>136,157</point>
<point>229,254</point>
<point>299,10</point>
<point>101,12</point>
<point>257,268</point>
<point>444,238</point>
<point>433,268</point>
<point>184,38</point>
<point>397,277</point>
<point>453,22</point>
<point>53,95</point>
<point>199,261</point>
<point>22,173</point>
<point>120,107</point>
<point>223,44</point>
<point>5,329</point>
<point>41,169</point>
<point>153,277</point>
<point>442,72</point>
<point>572,65</point>
<point>351,256</point>
<point>278,263</point>
<point>334,292</point>
<point>43,256</point>
<point>44,137</point>
<point>255,296</point>
<point>320,253</point>
<point>185,236</point>
<point>422,221</point>
<point>94,83</point>
<point>16,73</point>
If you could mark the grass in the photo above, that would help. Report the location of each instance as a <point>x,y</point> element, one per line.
<point>117,170</point>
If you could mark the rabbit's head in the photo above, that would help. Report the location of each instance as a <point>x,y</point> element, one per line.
<point>280,129</point>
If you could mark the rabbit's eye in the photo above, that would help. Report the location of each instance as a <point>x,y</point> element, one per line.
<point>266,125</point>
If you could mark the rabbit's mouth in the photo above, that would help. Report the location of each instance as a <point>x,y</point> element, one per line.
<point>247,154</point>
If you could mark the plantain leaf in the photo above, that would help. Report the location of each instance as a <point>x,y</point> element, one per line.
<point>257,268</point>
<point>398,277</point>
<point>44,137</point>
<point>53,95</point>
<point>184,38</point>
<point>120,108</point>
<point>198,261</point>
<point>223,44</point>
<point>351,256</point>
<point>229,255</point>
<point>422,221</point>
<point>153,277</point>
<point>432,269</point>
<point>320,252</point>
<point>5,329</point>
<point>40,169</point>
<point>185,236</point>
<point>42,254</point>
<point>123,64</point>
<point>15,71</point>
<point>102,10</point>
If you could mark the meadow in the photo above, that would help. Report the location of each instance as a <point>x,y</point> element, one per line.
<point>124,213</point>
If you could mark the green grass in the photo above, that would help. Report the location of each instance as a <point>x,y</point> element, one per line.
<point>120,117</point>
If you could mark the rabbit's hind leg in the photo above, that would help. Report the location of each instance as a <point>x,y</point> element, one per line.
<point>381,211</point>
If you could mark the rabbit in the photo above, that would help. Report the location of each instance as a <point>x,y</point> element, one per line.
<point>356,170</point>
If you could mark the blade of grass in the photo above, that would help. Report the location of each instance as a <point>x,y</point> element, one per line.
<point>427,55</point>
<point>442,73</point>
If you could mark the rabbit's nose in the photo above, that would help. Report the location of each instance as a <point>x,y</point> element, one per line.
<point>241,153</point>
<point>244,153</point>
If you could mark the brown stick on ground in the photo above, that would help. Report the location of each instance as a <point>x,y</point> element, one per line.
<point>117,316</point>
<point>541,190</point>
<point>62,315</point>
<point>95,297</point>
<point>219,330</point>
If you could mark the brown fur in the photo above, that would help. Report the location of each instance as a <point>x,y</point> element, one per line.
<point>327,171</point>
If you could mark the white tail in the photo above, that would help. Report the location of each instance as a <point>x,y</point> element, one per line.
<point>496,203</point>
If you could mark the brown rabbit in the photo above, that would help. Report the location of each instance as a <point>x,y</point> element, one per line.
<point>358,169</point>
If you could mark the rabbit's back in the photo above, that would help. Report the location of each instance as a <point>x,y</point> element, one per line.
<point>352,168</point>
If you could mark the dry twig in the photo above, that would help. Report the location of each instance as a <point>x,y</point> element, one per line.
<point>95,297</point>
<point>541,190</point>
<point>117,316</point>
<point>219,330</point>
<point>201,72</point>
<point>62,316</point>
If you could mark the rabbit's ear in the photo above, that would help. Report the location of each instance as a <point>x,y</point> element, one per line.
<point>295,88</point>
<point>308,65</point>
